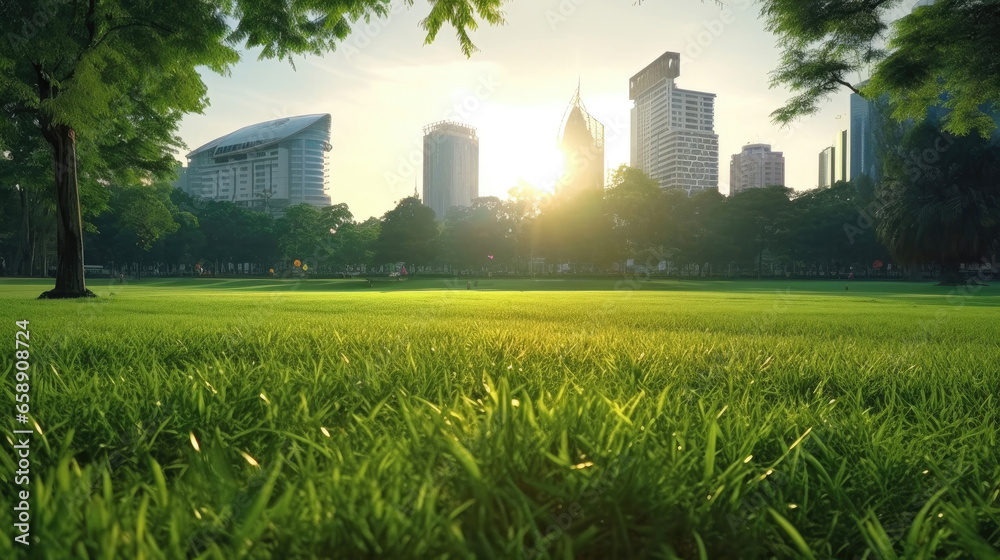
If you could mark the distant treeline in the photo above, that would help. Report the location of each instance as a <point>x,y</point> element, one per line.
<point>633,225</point>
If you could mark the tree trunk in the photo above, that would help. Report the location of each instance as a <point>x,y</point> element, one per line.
<point>69,228</point>
<point>22,258</point>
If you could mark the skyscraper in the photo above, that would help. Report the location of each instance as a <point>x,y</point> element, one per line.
<point>754,167</point>
<point>673,130</point>
<point>862,140</point>
<point>581,140</point>
<point>451,166</point>
<point>842,157</point>
<point>827,160</point>
<point>266,166</point>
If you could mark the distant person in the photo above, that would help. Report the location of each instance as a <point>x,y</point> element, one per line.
<point>468,285</point>
<point>476,284</point>
<point>121,278</point>
<point>3,267</point>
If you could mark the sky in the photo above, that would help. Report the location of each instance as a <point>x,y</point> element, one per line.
<point>382,86</point>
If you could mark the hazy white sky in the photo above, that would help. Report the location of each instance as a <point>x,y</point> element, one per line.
<point>382,86</point>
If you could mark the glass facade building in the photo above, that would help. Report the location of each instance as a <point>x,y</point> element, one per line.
<point>862,141</point>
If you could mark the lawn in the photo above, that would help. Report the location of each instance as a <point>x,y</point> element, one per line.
<point>541,418</point>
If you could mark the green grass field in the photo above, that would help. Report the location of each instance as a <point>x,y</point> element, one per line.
<point>523,419</point>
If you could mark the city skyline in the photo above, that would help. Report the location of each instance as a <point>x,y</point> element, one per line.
<point>381,87</point>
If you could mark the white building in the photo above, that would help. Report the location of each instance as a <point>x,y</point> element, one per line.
<point>827,161</point>
<point>451,166</point>
<point>756,166</point>
<point>673,130</point>
<point>842,157</point>
<point>266,166</point>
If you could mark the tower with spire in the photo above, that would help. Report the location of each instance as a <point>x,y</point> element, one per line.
<point>581,140</point>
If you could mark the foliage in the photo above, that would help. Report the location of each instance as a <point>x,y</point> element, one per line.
<point>941,199</point>
<point>300,231</point>
<point>631,205</point>
<point>572,227</point>
<point>963,67</point>
<point>408,234</point>
<point>477,235</point>
<point>827,42</point>
<point>144,211</point>
<point>824,230</point>
<point>357,243</point>
<point>759,218</point>
<point>125,72</point>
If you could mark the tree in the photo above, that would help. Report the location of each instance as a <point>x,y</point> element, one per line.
<point>941,200</point>
<point>332,220</point>
<point>299,231</point>
<point>137,217</point>
<point>186,245</point>
<point>824,231</point>
<point>357,243</point>
<point>477,235</point>
<point>520,209</point>
<point>757,217</point>
<point>26,165</point>
<point>127,70</point>
<point>951,46</point>
<point>573,227</point>
<point>146,212</point>
<point>697,225</point>
<point>408,234</point>
<point>631,202</point>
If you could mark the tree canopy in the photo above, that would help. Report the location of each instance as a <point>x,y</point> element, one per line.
<point>950,48</point>
<point>126,71</point>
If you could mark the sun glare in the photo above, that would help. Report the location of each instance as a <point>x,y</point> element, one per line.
<point>516,145</point>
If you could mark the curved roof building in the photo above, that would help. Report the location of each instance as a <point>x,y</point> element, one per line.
<point>581,140</point>
<point>266,166</point>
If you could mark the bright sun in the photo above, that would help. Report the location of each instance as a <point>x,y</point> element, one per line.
<point>518,144</point>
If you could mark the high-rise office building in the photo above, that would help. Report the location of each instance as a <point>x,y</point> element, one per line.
<point>842,157</point>
<point>673,130</point>
<point>754,167</point>
<point>827,162</point>
<point>451,166</point>
<point>581,140</point>
<point>266,166</point>
<point>862,138</point>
